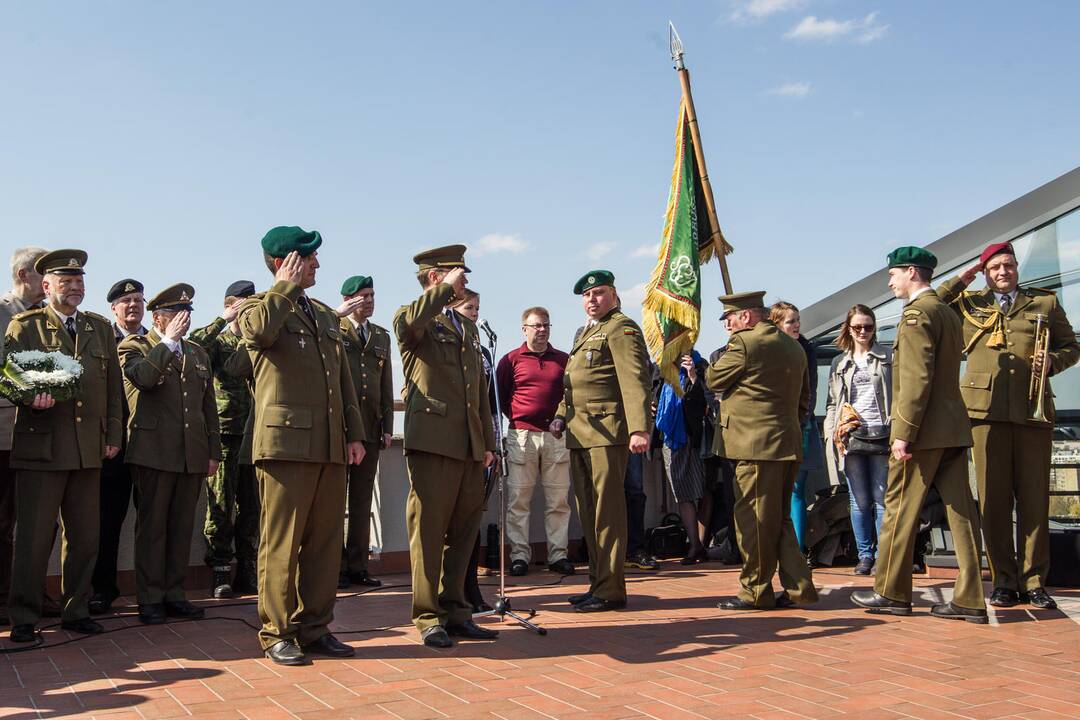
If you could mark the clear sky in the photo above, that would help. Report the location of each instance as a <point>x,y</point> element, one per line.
<point>166,138</point>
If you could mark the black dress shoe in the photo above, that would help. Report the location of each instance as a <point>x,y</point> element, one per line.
<point>330,646</point>
<point>736,603</point>
<point>83,626</point>
<point>183,609</point>
<point>471,630</point>
<point>101,603</point>
<point>579,598</point>
<point>563,567</point>
<point>362,578</point>
<point>221,586</point>
<point>877,604</point>
<point>519,568</point>
<point>287,652</point>
<point>152,614</point>
<point>1004,598</point>
<point>595,604</point>
<point>783,600</point>
<point>435,636</point>
<point>1039,598</point>
<point>23,633</point>
<point>955,612</point>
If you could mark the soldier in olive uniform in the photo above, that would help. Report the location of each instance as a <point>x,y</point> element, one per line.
<point>930,436</point>
<point>232,495</point>
<point>605,414</point>
<point>306,429</point>
<point>1011,449</point>
<point>58,448</point>
<point>368,348</point>
<point>763,388</point>
<point>173,444</point>
<point>449,440</point>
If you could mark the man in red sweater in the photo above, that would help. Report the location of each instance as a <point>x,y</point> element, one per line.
<point>530,385</point>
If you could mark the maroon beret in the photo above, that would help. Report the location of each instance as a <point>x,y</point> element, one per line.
<point>996,249</point>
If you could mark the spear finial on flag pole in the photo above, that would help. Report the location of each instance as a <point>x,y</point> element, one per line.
<point>721,245</point>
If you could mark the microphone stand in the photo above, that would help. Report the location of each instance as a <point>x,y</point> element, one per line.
<point>502,606</point>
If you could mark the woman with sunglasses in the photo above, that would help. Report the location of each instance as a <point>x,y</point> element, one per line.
<point>860,400</point>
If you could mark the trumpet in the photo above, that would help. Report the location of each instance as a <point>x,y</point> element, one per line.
<point>1037,385</point>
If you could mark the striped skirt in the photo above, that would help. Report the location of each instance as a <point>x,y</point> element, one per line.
<point>685,472</point>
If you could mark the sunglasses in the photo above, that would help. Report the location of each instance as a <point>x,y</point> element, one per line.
<point>861,328</point>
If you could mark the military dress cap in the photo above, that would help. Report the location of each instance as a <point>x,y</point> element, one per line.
<point>742,301</point>
<point>447,257</point>
<point>175,297</point>
<point>61,262</point>
<point>240,289</point>
<point>996,249</point>
<point>284,239</point>
<point>355,284</point>
<point>594,278</point>
<point>910,256</point>
<point>122,288</point>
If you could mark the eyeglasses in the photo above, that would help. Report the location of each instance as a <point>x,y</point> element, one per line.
<point>538,326</point>
<point>861,328</point>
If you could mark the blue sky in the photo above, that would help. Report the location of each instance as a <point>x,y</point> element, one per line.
<point>165,139</point>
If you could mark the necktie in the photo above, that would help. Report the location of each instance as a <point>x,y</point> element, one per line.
<point>70,325</point>
<point>178,353</point>
<point>363,335</point>
<point>1006,304</point>
<point>306,307</point>
<point>453,319</point>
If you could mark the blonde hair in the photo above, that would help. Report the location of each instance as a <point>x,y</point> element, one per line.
<point>779,309</point>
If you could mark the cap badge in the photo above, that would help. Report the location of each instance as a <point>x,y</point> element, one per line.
<point>591,279</point>
<point>72,262</point>
<point>129,288</point>
<point>183,296</point>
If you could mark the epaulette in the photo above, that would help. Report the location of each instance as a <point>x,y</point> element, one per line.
<point>28,313</point>
<point>99,318</point>
<point>1040,290</point>
<point>324,305</point>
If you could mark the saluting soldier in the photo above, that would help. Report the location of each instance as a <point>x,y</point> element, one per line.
<point>449,440</point>
<point>367,347</point>
<point>763,387</point>
<point>173,444</point>
<point>58,448</point>
<point>930,436</point>
<point>232,494</point>
<point>605,415</point>
<point>128,305</point>
<point>306,430</point>
<point>1011,448</point>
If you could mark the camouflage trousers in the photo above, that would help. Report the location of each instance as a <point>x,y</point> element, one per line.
<point>232,509</point>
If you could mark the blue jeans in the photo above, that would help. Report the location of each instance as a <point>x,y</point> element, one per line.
<point>634,487</point>
<point>867,476</point>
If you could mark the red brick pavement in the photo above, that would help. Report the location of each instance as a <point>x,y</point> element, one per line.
<point>671,654</point>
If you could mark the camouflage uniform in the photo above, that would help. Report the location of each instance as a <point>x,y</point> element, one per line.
<point>232,496</point>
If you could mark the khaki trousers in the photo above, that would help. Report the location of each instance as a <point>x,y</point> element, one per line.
<point>299,548</point>
<point>909,481</point>
<point>361,486</point>
<point>443,513</point>
<point>1012,469</point>
<point>164,521</point>
<point>536,456</point>
<point>765,534</point>
<point>39,496</point>
<point>599,474</point>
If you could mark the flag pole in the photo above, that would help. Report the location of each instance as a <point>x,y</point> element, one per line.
<point>719,243</point>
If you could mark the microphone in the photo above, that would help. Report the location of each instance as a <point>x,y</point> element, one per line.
<point>483,325</point>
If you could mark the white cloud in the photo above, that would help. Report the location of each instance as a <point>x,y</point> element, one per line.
<point>792,90</point>
<point>645,251</point>
<point>497,243</point>
<point>634,296</point>
<point>863,31</point>
<point>760,9</point>
<point>599,250</point>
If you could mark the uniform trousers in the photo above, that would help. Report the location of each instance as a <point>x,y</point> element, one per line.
<point>766,535</point>
<point>909,480</point>
<point>443,513</point>
<point>116,484</point>
<point>232,509</point>
<point>361,482</point>
<point>1012,469</point>
<point>164,522</point>
<point>39,496</point>
<point>299,548</point>
<point>7,527</point>
<point>599,474</point>
<point>537,457</point>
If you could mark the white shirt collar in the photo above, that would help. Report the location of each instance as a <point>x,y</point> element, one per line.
<point>919,292</point>
<point>998,296</point>
<point>64,318</point>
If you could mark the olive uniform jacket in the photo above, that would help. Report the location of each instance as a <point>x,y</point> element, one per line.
<point>927,410</point>
<point>446,403</point>
<point>305,405</point>
<point>71,435</point>
<point>373,377</point>
<point>606,385</point>
<point>764,390</point>
<point>995,384</point>
<point>173,425</point>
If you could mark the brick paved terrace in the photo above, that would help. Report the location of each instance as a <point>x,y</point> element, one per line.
<point>670,654</point>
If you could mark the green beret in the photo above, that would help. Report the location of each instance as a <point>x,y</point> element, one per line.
<point>355,284</point>
<point>742,301</point>
<point>909,256</point>
<point>282,240</point>
<point>61,262</point>
<point>175,297</point>
<point>447,257</point>
<point>594,278</point>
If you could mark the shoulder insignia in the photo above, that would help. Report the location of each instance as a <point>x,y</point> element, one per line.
<point>99,318</point>
<point>28,313</point>
<point>913,321</point>
<point>1040,290</point>
<point>913,312</point>
<point>629,331</point>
